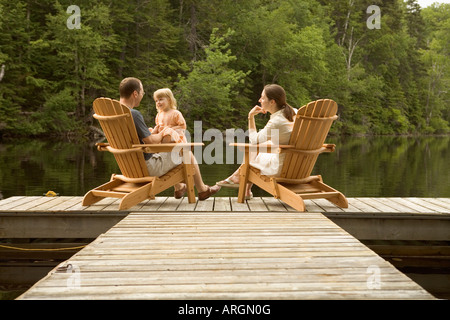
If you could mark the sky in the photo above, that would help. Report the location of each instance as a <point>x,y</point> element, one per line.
<point>426,3</point>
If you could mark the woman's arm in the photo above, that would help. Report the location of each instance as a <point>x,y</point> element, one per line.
<point>251,117</point>
<point>253,135</point>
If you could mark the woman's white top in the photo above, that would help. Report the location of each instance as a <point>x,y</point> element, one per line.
<point>277,131</point>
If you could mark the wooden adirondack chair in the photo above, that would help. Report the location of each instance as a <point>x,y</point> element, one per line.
<point>311,127</point>
<point>134,184</point>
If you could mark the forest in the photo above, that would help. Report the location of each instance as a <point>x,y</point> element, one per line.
<point>385,62</point>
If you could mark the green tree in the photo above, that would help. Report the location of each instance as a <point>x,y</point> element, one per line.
<point>392,80</point>
<point>80,53</point>
<point>437,59</point>
<point>207,91</point>
<point>21,86</point>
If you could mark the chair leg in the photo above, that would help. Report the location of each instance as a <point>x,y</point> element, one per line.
<point>189,180</point>
<point>135,197</point>
<point>188,174</point>
<point>291,198</point>
<point>339,199</point>
<point>91,198</point>
<point>298,205</point>
<point>244,171</point>
<point>243,180</point>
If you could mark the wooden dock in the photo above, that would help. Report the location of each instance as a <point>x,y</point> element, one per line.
<point>219,249</point>
<point>365,218</point>
<point>367,206</point>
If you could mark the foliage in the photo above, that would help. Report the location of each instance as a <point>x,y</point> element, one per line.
<point>218,54</point>
<point>207,92</point>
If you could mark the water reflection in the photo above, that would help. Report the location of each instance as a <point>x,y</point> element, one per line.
<point>360,167</point>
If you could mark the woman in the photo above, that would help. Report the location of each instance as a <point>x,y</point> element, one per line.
<point>277,131</point>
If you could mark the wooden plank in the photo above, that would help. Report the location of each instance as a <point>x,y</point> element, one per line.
<point>70,202</point>
<point>326,205</point>
<point>445,200</point>
<point>411,205</point>
<point>19,201</point>
<point>273,204</point>
<point>76,207</point>
<point>223,253</point>
<point>137,292</point>
<point>6,201</point>
<point>205,205</point>
<point>236,206</point>
<point>273,269</point>
<point>363,206</point>
<point>186,206</point>
<point>351,207</point>
<point>374,206</point>
<point>114,205</point>
<point>49,205</point>
<point>440,203</point>
<point>427,207</point>
<point>152,205</point>
<point>171,204</point>
<point>126,278</point>
<point>311,206</point>
<point>142,244</point>
<point>222,204</point>
<point>396,205</point>
<point>33,203</point>
<point>248,255</point>
<point>257,204</point>
<point>379,205</point>
<point>102,204</point>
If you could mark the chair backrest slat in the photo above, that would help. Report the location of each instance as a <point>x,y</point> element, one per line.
<point>121,133</point>
<point>311,127</point>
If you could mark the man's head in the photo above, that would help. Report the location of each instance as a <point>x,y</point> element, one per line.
<point>131,90</point>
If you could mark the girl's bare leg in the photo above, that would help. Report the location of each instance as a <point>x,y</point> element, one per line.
<point>167,139</point>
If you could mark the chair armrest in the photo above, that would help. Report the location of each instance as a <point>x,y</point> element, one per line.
<point>269,148</point>
<point>101,146</point>
<point>149,148</point>
<point>166,147</point>
<point>324,148</point>
<point>263,148</point>
<point>107,147</point>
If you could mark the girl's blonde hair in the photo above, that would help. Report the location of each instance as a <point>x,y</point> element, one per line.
<point>167,93</point>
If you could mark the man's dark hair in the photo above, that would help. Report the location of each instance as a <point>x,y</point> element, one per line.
<point>128,86</point>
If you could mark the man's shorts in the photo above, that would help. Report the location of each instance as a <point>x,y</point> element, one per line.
<point>160,163</point>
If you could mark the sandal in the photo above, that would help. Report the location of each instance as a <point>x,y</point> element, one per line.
<point>249,197</point>
<point>227,183</point>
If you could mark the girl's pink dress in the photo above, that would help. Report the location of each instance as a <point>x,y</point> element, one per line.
<point>171,123</point>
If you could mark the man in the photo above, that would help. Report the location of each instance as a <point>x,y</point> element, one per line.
<point>131,93</point>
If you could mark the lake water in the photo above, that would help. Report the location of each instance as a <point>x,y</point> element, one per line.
<point>360,167</point>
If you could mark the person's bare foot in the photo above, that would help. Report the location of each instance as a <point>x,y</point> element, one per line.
<point>229,183</point>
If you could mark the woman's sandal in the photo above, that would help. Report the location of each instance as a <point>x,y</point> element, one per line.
<point>227,183</point>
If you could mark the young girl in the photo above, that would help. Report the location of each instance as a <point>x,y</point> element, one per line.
<point>169,121</point>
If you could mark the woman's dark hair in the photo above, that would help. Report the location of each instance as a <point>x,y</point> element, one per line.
<point>277,93</point>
